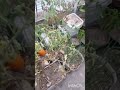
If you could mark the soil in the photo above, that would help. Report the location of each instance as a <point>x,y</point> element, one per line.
<point>74,78</point>
<point>40,77</point>
<point>53,73</point>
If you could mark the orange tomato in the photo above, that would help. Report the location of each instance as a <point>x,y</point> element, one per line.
<point>41,52</point>
<point>17,64</point>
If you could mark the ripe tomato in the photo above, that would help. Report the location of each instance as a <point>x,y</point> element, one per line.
<point>17,64</point>
<point>41,52</point>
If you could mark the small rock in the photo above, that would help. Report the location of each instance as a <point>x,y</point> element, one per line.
<point>98,37</point>
<point>115,34</point>
<point>49,84</point>
<point>75,41</point>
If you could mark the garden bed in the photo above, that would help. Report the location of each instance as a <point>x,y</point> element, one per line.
<point>61,58</point>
